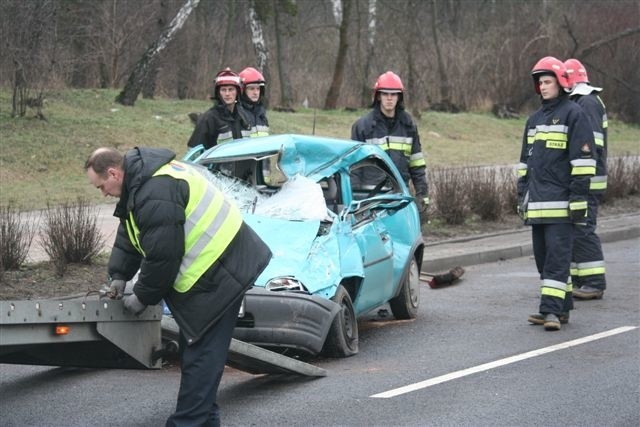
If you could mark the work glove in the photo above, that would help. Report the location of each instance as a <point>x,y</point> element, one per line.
<point>423,209</point>
<point>116,289</point>
<point>133,304</point>
<point>522,206</point>
<point>578,212</point>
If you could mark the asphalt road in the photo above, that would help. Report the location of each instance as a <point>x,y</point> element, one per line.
<point>470,359</point>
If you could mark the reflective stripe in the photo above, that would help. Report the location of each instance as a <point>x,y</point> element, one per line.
<point>555,136</point>
<point>210,226</point>
<point>259,130</point>
<point>225,137</point>
<point>134,233</point>
<point>576,206</point>
<point>416,160</point>
<point>553,288</point>
<point>573,269</point>
<point>569,286</point>
<point>245,133</point>
<point>598,137</point>
<point>598,183</point>
<point>583,167</point>
<point>522,169</point>
<point>531,134</point>
<point>548,210</point>
<point>590,268</point>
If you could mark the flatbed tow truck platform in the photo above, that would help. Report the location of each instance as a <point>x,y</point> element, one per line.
<point>100,333</point>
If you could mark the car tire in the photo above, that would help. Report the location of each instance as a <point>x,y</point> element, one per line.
<point>405,305</point>
<point>342,339</point>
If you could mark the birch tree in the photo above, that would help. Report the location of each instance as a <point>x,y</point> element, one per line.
<point>371,41</point>
<point>259,43</point>
<point>140,72</point>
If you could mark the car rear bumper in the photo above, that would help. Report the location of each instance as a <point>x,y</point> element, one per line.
<point>286,320</point>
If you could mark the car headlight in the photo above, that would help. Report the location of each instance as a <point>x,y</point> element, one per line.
<point>285,284</point>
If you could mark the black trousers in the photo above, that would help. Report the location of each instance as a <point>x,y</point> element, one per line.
<point>587,268</point>
<point>552,248</point>
<point>202,365</point>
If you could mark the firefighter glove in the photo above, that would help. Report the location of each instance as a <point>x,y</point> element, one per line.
<point>116,289</point>
<point>423,209</point>
<point>133,304</point>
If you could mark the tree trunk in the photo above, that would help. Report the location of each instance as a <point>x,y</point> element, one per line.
<point>149,85</point>
<point>371,40</point>
<point>331,101</point>
<point>259,45</point>
<point>442,74</point>
<point>133,86</point>
<point>280,11</point>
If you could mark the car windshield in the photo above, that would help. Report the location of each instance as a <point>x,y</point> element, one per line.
<point>258,187</point>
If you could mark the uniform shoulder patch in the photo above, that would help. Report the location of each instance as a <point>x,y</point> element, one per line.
<point>555,121</point>
<point>585,148</point>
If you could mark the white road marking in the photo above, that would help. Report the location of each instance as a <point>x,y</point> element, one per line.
<point>506,361</point>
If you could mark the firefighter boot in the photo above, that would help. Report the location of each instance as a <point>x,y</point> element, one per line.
<point>538,318</point>
<point>587,292</point>
<point>551,322</point>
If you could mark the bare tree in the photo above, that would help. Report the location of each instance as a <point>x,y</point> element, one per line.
<point>331,102</point>
<point>149,85</point>
<point>368,57</point>
<point>283,10</point>
<point>131,90</point>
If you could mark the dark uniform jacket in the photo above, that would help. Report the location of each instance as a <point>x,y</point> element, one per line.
<point>556,161</point>
<point>219,125</point>
<point>375,128</point>
<point>595,110</point>
<point>257,115</point>
<point>158,204</point>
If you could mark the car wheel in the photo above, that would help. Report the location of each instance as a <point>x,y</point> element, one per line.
<point>405,305</point>
<point>342,339</point>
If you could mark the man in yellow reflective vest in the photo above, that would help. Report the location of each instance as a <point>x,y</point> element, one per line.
<point>193,251</point>
<point>556,164</point>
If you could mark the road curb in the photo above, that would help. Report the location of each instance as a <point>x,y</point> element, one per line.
<point>482,255</point>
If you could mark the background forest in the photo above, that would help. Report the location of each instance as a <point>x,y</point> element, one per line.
<point>453,55</point>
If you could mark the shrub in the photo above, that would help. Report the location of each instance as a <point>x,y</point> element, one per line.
<point>448,189</point>
<point>623,174</point>
<point>509,181</point>
<point>485,193</point>
<point>16,235</point>
<point>71,234</point>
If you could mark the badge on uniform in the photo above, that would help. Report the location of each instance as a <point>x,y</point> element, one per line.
<point>555,121</point>
<point>585,148</point>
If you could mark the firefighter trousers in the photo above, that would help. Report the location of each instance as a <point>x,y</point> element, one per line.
<point>202,365</point>
<point>587,266</point>
<point>552,250</point>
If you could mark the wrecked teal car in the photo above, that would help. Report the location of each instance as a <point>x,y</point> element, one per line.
<point>344,231</point>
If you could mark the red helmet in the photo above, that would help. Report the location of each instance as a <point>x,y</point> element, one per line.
<point>550,65</point>
<point>576,72</point>
<point>388,82</point>
<point>252,76</point>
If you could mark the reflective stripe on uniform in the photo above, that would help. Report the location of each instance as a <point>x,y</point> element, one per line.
<point>598,138</point>
<point>522,169</point>
<point>555,136</point>
<point>583,167</point>
<point>548,209</point>
<point>598,183</point>
<point>416,160</point>
<point>590,268</point>
<point>531,135</point>
<point>225,137</point>
<point>553,288</point>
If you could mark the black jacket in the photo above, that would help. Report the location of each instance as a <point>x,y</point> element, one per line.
<point>554,136</point>
<point>256,113</point>
<point>218,125</point>
<point>158,204</point>
<point>595,110</point>
<point>375,126</point>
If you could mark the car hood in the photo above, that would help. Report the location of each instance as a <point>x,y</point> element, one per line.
<point>297,252</point>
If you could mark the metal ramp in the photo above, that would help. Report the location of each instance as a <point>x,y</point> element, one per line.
<point>253,359</point>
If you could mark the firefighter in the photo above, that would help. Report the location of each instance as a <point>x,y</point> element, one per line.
<point>252,100</point>
<point>389,126</point>
<point>587,267</point>
<point>556,164</point>
<point>223,122</point>
<point>192,249</point>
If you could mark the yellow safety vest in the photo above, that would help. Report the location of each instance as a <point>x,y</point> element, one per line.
<point>211,224</point>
